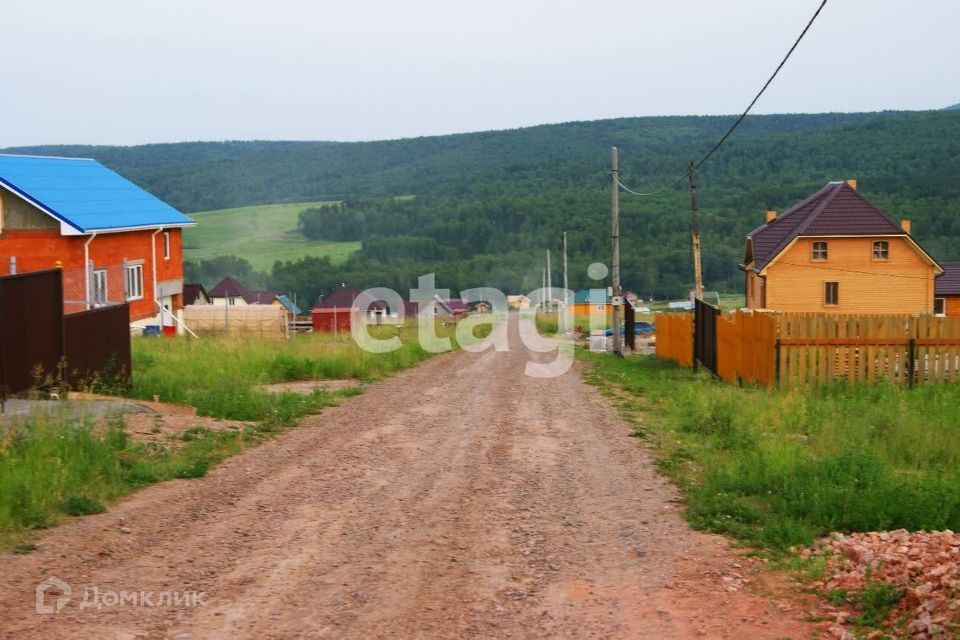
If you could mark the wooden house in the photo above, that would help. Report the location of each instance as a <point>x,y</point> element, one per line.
<point>113,241</point>
<point>836,252</point>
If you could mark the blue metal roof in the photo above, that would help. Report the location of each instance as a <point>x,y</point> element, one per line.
<point>85,194</point>
<point>583,297</point>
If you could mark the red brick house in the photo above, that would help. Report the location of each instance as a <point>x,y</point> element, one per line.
<point>114,241</point>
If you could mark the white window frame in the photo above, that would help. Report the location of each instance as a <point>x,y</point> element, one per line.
<point>816,247</point>
<point>166,245</point>
<point>942,312</point>
<point>134,280</point>
<point>100,291</point>
<point>881,250</point>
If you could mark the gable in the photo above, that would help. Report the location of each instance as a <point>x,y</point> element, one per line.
<point>852,255</point>
<point>17,213</point>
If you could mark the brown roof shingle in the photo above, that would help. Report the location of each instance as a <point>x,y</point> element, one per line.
<point>836,209</point>
<point>948,283</point>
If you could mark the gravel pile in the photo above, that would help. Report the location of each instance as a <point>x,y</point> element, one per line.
<point>924,566</point>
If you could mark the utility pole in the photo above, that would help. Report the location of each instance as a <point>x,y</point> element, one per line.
<point>565,287</point>
<point>615,241</point>
<point>695,237</point>
<point>543,286</point>
<point>549,284</point>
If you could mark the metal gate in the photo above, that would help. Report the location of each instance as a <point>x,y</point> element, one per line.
<point>31,328</point>
<point>705,335</point>
<point>97,342</point>
<point>36,336</point>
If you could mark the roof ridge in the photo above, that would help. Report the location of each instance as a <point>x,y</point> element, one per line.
<point>827,199</point>
<point>39,157</point>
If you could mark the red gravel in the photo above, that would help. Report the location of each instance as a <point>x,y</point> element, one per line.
<point>924,565</point>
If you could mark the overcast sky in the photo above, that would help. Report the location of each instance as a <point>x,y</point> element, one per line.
<point>137,71</point>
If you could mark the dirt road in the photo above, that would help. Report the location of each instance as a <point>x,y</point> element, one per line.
<point>458,499</point>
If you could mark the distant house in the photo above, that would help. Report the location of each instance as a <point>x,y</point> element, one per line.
<point>946,300</point>
<point>195,294</point>
<point>586,301</point>
<point>451,306</point>
<point>518,302</point>
<point>114,241</point>
<point>339,310</point>
<point>288,304</point>
<point>836,252</point>
<point>230,292</point>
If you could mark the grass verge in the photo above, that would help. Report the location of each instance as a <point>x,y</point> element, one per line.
<point>778,468</point>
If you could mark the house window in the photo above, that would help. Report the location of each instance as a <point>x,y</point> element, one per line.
<point>819,250</point>
<point>831,293</point>
<point>134,282</point>
<point>100,286</point>
<point>940,306</point>
<point>166,245</point>
<point>231,301</point>
<point>881,250</point>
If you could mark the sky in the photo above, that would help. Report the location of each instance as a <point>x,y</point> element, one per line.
<point>134,72</point>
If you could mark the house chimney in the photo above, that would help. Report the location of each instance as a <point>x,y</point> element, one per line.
<point>853,183</point>
<point>905,225</point>
<point>771,216</point>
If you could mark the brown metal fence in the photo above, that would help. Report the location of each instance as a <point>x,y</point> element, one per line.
<point>31,328</point>
<point>97,343</point>
<point>36,338</point>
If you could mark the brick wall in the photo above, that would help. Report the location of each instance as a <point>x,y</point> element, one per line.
<point>42,249</point>
<point>901,284</point>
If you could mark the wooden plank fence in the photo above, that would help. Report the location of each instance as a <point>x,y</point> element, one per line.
<point>791,349</point>
<point>675,337</point>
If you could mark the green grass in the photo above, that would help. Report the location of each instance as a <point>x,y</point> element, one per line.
<point>261,234</point>
<point>50,469</point>
<point>777,468</point>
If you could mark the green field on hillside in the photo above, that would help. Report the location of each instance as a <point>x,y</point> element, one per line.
<point>262,234</point>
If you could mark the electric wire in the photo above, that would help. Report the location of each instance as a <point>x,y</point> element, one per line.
<point>736,124</point>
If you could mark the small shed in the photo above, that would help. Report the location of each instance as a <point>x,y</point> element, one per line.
<point>946,297</point>
<point>339,310</point>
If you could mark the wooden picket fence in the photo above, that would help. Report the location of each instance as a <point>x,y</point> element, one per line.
<point>817,348</point>
<point>675,337</point>
<point>790,349</point>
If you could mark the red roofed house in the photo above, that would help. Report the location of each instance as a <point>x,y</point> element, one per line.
<point>230,292</point>
<point>946,300</point>
<point>339,310</point>
<point>835,252</point>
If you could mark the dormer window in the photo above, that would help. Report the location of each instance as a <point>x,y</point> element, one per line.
<point>819,251</point>
<point>881,250</point>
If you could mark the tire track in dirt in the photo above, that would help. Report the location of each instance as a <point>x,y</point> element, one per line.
<point>457,499</point>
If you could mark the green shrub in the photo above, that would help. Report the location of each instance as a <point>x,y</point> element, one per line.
<point>81,506</point>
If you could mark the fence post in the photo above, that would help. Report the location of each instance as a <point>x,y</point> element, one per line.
<point>912,361</point>
<point>693,342</point>
<point>776,363</point>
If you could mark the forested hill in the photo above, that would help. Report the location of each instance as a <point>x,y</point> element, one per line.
<point>487,204</point>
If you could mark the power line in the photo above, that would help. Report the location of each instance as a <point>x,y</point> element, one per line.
<point>841,270</point>
<point>719,144</point>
